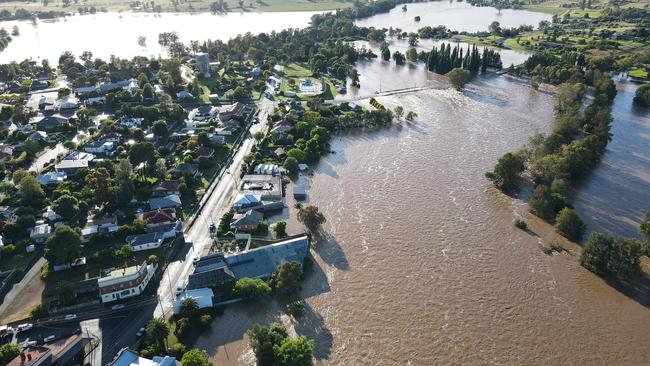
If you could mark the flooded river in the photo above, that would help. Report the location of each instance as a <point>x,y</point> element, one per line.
<point>420,262</point>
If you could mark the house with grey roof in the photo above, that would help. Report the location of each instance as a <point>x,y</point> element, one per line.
<point>171,200</point>
<point>151,240</point>
<point>247,221</point>
<point>262,262</point>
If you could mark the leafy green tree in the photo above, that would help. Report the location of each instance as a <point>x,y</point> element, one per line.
<point>240,93</point>
<point>410,116</point>
<point>645,228</point>
<point>295,352</point>
<point>291,165</point>
<point>458,78</point>
<point>280,229</point>
<point>8,352</point>
<point>66,206</point>
<point>157,330</point>
<point>195,357</point>
<point>412,54</point>
<point>296,154</point>
<point>385,54</point>
<point>642,95</point>
<point>64,246</point>
<point>569,224</point>
<point>160,128</point>
<point>398,111</point>
<point>264,340</point>
<point>100,181</point>
<point>251,287</point>
<point>399,58</point>
<point>65,291</point>
<point>31,191</point>
<point>38,311</point>
<point>507,171</point>
<point>287,279</point>
<point>610,255</point>
<point>148,93</point>
<point>142,152</point>
<point>541,203</point>
<point>189,308</point>
<point>311,217</point>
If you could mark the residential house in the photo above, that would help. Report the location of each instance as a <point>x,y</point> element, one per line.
<point>33,356</point>
<point>185,168</point>
<point>245,202</point>
<point>114,137</point>
<point>204,151</point>
<point>95,101</point>
<point>50,215</point>
<point>50,123</point>
<point>161,216</point>
<point>262,262</point>
<point>46,103</point>
<point>210,271</point>
<point>83,90</point>
<point>184,94</point>
<point>225,131</point>
<point>130,122</point>
<point>6,152</point>
<point>233,111</point>
<point>192,124</point>
<point>126,357</point>
<point>219,139</point>
<point>7,214</point>
<point>39,136</point>
<point>171,200</point>
<point>299,192</point>
<point>145,241</point>
<point>280,153</point>
<point>247,221</point>
<point>167,230</point>
<point>100,147</point>
<point>40,232</point>
<point>202,296</point>
<point>267,169</point>
<point>203,113</point>
<point>71,166</point>
<point>268,187</point>
<point>166,188</point>
<point>99,225</point>
<point>68,102</point>
<point>126,282</point>
<point>52,178</point>
<point>39,85</point>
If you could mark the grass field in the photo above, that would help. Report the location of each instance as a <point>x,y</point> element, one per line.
<point>180,6</point>
<point>545,10</point>
<point>295,70</point>
<point>638,73</point>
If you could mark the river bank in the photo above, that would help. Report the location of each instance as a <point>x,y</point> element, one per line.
<point>419,262</point>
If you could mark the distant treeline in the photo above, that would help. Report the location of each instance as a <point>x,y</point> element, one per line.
<point>23,14</point>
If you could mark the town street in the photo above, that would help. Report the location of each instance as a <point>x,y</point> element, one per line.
<point>117,330</point>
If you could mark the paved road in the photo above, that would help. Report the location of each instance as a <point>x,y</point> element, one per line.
<point>215,206</point>
<point>118,329</point>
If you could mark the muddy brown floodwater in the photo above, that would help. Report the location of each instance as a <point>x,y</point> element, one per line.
<point>421,263</point>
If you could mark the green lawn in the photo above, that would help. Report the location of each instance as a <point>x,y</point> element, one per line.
<point>638,73</point>
<point>296,70</point>
<point>545,10</point>
<point>17,260</point>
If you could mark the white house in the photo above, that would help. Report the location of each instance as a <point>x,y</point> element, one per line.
<point>97,225</point>
<point>203,297</point>
<point>40,233</point>
<point>130,122</point>
<point>126,282</point>
<point>69,102</point>
<point>267,169</point>
<point>218,138</point>
<point>50,215</point>
<point>54,178</point>
<point>144,241</point>
<point>184,94</point>
<point>95,101</point>
<point>100,147</point>
<point>126,357</point>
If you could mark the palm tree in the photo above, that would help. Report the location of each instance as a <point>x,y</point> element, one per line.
<point>157,330</point>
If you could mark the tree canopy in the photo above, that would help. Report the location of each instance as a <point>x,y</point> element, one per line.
<point>64,246</point>
<point>311,217</point>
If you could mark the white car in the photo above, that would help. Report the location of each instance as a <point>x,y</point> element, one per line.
<point>26,343</point>
<point>24,327</point>
<point>71,317</point>
<point>49,338</point>
<point>117,307</point>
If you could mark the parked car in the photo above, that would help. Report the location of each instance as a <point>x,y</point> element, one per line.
<point>117,307</point>
<point>140,332</point>
<point>26,343</point>
<point>25,326</point>
<point>71,317</point>
<point>213,228</point>
<point>49,338</point>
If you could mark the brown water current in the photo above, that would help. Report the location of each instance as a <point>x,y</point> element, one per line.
<point>420,262</point>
